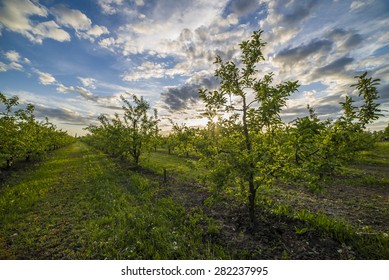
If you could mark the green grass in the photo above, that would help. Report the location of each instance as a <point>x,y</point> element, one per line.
<point>278,200</point>
<point>371,168</point>
<point>187,169</point>
<point>370,244</point>
<point>377,156</point>
<point>78,205</point>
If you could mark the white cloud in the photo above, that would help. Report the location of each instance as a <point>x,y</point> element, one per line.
<point>285,18</point>
<point>110,7</point>
<point>50,29</point>
<point>97,31</point>
<point>45,78</point>
<point>165,22</point>
<point>13,56</point>
<point>87,94</point>
<point>3,67</point>
<point>15,66</point>
<point>190,33</point>
<point>108,43</point>
<point>146,70</point>
<point>64,89</point>
<point>88,82</point>
<point>79,22</point>
<point>83,92</point>
<point>231,19</point>
<point>360,4</point>
<point>16,61</point>
<point>139,2</point>
<point>71,18</point>
<point>15,16</point>
<point>93,33</point>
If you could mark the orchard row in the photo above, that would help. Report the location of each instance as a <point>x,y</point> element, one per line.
<point>22,136</point>
<point>250,147</point>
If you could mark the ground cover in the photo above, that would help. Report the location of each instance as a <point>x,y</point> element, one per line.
<point>78,205</point>
<point>348,219</point>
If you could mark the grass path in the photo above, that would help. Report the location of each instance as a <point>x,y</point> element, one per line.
<point>45,210</point>
<point>78,205</point>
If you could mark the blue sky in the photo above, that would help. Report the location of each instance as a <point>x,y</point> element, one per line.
<point>73,59</point>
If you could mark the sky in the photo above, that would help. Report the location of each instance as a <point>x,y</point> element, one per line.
<point>74,59</point>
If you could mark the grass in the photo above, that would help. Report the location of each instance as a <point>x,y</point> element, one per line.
<point>361,192</point>
<point>345,210</point>
<point>185,169</point>
<point>371,245</point>
<point>378,156</point>
<point>79,205</point>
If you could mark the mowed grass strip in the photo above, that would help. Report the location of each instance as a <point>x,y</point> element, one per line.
<point>79,205</point>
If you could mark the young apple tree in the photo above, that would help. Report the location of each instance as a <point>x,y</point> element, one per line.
<point>252,151</point>
<point>128,136</point>
<point>139,127</point>
<point>322,147</point>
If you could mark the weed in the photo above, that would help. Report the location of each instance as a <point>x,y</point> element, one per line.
<point>301,231</point>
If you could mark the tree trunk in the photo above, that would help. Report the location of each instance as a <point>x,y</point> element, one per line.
<point>252,195</point>
<point>135,154</point>
<point>9,162</point>
<point>136,158</point>
<point>250,177</point>
<point>164,175</point>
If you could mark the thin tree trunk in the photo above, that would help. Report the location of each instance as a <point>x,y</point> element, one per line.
<point>9,162</point>
<point>250,177</point>
<point>252,195</point>
<point>164,175</point>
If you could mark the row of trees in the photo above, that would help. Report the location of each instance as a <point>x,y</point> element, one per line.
<point>182,139</point>
<point>252,148</point>
<point>127,136</point>
<point>24,137</point>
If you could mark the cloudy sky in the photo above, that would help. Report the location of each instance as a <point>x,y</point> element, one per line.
<point>73,59</point>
